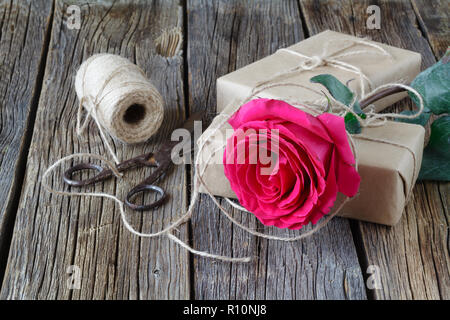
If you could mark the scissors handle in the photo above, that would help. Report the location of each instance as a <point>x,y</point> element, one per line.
<point>142,188</point>
<point>147,185</point>
<point>146,159</point>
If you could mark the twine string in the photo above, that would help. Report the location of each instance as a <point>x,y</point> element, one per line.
<point>332,60</point>
<point>167,231</point>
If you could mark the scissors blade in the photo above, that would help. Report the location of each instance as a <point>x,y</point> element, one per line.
<point>163,156</point>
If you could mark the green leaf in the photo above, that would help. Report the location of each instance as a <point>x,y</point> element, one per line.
<point>336,88</point>
<point>436,156</point>
<point>440,136</point>
<point>344,95</point>
<point>434,167</point>
<point>433,84</point>
<point>357,109</point>
<point>352,124</point>
<point>420,120</point>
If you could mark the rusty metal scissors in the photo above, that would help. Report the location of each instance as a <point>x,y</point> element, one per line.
<point>160,160</point>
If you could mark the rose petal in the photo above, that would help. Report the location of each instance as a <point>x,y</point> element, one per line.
<point>268,109</point>
<point>335,126</point>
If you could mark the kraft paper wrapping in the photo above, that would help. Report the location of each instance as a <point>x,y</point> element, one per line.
<point>387,171</point>
<point>402,67</point>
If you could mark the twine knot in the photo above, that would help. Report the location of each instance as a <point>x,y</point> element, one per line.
<point>313,62</point>
<point>332,59</point>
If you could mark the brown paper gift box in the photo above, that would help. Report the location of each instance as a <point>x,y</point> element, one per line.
<point>404,67</point>
<point>387,171</point>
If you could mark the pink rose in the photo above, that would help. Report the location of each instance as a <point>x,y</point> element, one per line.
<point>313,162</point>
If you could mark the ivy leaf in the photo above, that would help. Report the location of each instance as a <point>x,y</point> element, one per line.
<point>436,155</point>
<point>336,88</point>
<point>440,136</point>
<point>420,120</point>
<point>358,110</point>
<point>352,124</point>
<point>433,84</point>
<point>434,167</point>
<point>344,95</point>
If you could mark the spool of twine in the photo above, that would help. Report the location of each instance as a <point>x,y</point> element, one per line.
<point>120,98</point>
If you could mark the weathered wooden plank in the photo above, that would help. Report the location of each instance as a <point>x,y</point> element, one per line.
<point>23,39</point>
<point>223,36</point>
<point>54,232</point>
<point>434,20</point>
<point>412,256</point>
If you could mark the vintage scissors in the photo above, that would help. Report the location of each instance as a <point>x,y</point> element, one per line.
<point>161,160</point>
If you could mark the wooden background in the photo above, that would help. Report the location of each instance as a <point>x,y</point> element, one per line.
<point>41,235</point>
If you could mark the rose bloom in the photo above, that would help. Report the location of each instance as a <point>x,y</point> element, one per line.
<point>313,162</point>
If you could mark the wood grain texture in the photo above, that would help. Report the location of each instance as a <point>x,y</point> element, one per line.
<point>434,20</point>
<point>54,232</point>
<point>23,39</point>
<point>224,36</point>
<point>413,256</point>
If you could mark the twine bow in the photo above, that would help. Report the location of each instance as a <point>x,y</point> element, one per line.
<point>331,59</point>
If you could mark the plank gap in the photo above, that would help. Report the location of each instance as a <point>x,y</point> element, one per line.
<point>305,29</point>
<point>361,255</point>
<point>354,230</point>
<point>19,175</point>
<point>223,36</point>
<point>188,167</point>
<point>432,21</point>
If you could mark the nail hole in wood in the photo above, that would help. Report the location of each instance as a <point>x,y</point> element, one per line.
<point>169,43</point>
